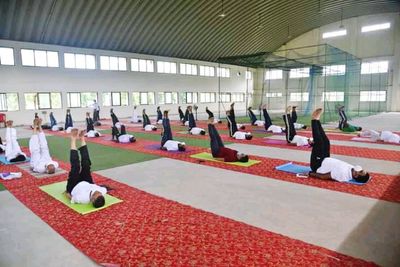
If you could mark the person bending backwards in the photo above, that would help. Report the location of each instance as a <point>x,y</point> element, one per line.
<point>218,150</point>
<point>291,135</point>
<point>41,161</point>
<point>167,142</point>
<point>80,187</point>
<point>325,167</point>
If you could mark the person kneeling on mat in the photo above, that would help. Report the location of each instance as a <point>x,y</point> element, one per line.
<point>218,149</point>
<point>325,167</point>
<point>146,122</point>
<point>291,136</point>
<point>80,187</point>
<point>122,137</point>
<point>13,151</point>
<point>41,161</point>
<point>90,131</point>
<point>167,142</point>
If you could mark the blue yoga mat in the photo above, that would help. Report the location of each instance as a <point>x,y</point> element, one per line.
<point>6,162</point>
<point>293,168</point>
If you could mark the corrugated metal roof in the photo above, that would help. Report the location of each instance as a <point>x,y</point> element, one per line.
<point>178,28</point>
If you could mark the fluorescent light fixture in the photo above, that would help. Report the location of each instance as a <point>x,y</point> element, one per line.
<point>375,27</point>
<point>334,34</point>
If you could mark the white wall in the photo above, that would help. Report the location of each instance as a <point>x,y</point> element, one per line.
<point>23,79</point>
<point>378,45</point>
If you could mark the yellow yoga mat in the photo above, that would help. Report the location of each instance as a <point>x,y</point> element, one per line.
<point>208,156</point>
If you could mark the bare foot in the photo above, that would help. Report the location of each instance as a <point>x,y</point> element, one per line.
<point>74,133</point>
<point>288,109</point>
<point>9,123</point>
<point>82,133</point>
<point>316,114</point>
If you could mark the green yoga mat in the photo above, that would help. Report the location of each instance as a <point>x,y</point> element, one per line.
<point>57,190</point>
<point>208,156</point>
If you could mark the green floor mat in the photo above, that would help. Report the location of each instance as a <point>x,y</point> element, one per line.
<point>102,157</point>
<point>208,156</point>
<point>57,190</point>
<point>2,187</point>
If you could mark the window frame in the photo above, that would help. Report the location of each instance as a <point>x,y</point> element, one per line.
<point>111,58</point>
<point>13,56</point>
<point>34,58</point>
<point>5,98</point>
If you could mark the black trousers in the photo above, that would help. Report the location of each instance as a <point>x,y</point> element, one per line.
<point>290,130</point>
<point>321,147</point>
<point>253,117</point>
<point>232,125</point>
<point>294,116</point>
<point>342,119</point>
<point>89,125</point>
<point>181,115</point>
<point>114,118</point>
<point>192,122</point>
<point>215,140</point>
<point>267,119</point>
<point>167,133</point>
<point>210,114</point>
<point>146,120</point>
<point>68,121</point>
<point>80,171</point>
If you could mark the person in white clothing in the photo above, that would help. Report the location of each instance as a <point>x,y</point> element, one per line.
<point>167,142</point>
<point>90,131</point>
<point>2,146</point>
<point>41,161</point>
<point>325,167</point>
<point>269,127</point>
<point>291,135</point>
<point>122,137</point>
<point>384,136</point>
<point>13,151</point>
<point>253,118</point>
<point>197,131</point>
<point>80,187</point>
<point>238,135</point>
<point>135,116</point>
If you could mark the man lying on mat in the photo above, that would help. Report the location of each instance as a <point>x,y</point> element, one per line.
<point>218,150</point>
<point>343,124</point>
<point>41,161</point>
<point>159,116</point>
<point>233,126</point>
<point>135,116</point>
<point>90,131</point>
<point>181,115</point>
<point>253,118</point>
<point>13,151</point>
<point>167,142</point>
<point>325,167</point>
<point>193,129</point>
<point>384,136</point>
<point>297,126</point>
<point>269,127</point>
<point>291,136</point>
<point>121,137</point>
<point>53,123</point>
<point>146,122</point>
<point>80,186</point>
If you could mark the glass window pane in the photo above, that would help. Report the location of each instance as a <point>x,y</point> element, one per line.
<point>52,59</point>
<point>40,58</point>
<point>74,100</point>
<point>69,60</point>
<point>56,100</point>
<point>113,63</point>
<point>142,65</point>
<point>12,101</point>
<point>122,63</point>
<point>161,99</point>
<point>6,56</point>
<point>134,64</point>
<point>135,98</point>
<point>143,99</point>
<point>182,68</point>
<point>3,102</point>
<point>90,62</point>
<point>28,58</point>
<point>168,98</point>
<point>150,65</point>
<point>189,98</point>
<point>151,98</point>
<point>44,100</point>
<point>80,61</point>
<point>116,99</point>
<point>160,67</point>
<point>87,98</point>
<point>30,101</point>
<point>124,99</point>
<point>104,63</point>
<point>107,99</point>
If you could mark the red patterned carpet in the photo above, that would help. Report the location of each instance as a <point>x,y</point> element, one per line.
<point>146,230</point>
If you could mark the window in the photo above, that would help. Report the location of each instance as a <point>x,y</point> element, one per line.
<point>207,71</point>
<point>374,67</point>
<point>112,63</point>
<point>237,97</point>
<point>223,72</point>
<point>372,96</point>
<point>77,100</point>
<point>79,61</point>
<point>249,75</point>
<point>299,73</point>
<point>207,97</point>
<point>225,97</point>
<point>188,69</point>
<point>143,98</point>
<point>9,102</point>
<point>115,99</point>
<point>333,96</point>
<point>39,58</point>
<point>35,101</point>
<point>189,98</point>
<point>334,70</point>
<point>273,74</point>
<point>166,67</point>
<point>375,27</point>
<point>274,94</point>
<point>298,97</point>
<point>142,65</point>
<point>6,56</point>
<point>167,98</point>
<point>334,34</point>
